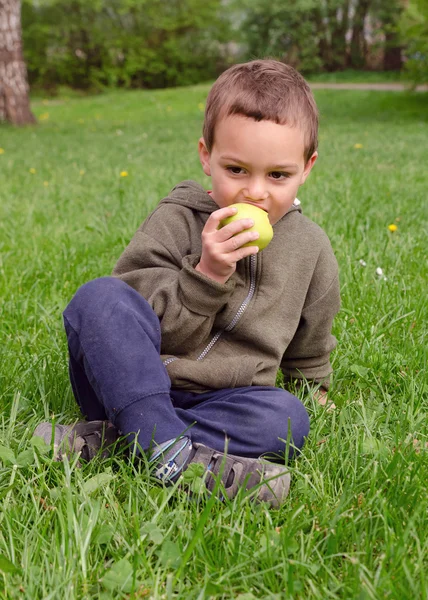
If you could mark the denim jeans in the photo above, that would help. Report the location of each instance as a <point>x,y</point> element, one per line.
<point>117,374</point>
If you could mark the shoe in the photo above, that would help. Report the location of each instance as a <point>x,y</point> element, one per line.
<point>86,437</point>
<point>271,481</point>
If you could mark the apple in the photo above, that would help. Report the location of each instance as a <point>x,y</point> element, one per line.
<point>260,218</point>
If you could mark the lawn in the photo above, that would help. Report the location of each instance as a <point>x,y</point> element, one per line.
<point>356,76</point>
<point>355,522</point>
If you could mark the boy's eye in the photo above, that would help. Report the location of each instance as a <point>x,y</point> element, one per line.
<point>235,170</point>
<point>279,175</point>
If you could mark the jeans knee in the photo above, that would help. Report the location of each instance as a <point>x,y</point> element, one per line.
<point>103,288</point>
<point>289,424</point>
<point>95,301</point>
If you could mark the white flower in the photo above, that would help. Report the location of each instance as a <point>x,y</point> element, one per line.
<point>363,263</point>
<point>379,272</point>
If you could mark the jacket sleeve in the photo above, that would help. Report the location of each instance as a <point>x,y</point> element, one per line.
<point>159,265</point>
<point>308,354</point>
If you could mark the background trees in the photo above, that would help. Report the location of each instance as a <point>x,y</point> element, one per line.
<point>14,103</point>
<point>129,43</point>
<point>414,30</point>
<point>92,44</point>
<point>325,34</point>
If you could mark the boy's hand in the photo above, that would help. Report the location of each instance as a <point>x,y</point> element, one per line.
<point>221,248</point>
<point>322,398</point>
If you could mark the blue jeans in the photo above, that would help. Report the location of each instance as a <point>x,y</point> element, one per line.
<point>116,373</point>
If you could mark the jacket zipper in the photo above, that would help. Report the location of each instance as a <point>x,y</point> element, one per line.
<point>241,309</point>
<point>234,321</point>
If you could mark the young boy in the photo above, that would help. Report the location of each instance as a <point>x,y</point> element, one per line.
<point>181,347</point>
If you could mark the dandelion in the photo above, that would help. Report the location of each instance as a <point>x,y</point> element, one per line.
<point>124,173</point>
<point>1,151</point>
<point>393,227</point>
<point>81,121</point>
<point>44,117</point>
<point>358,146</point>
<point>32,171</point>
<point>201,106</point>
<point>46,183</point>
<point>82,172</point>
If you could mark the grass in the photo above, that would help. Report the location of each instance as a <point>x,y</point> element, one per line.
<point>356,76</point>
<point>355,523</point>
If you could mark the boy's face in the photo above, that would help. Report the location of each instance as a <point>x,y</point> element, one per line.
<point>258,162</point>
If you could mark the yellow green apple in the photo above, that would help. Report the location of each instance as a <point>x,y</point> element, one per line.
<point>260,218</point>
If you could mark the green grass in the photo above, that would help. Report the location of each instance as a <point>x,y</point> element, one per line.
<point>355,522</point>
<point>355,76</point>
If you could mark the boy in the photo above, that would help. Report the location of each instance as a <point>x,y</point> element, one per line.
<point>181,347</point>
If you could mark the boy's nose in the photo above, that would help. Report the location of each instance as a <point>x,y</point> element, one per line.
<point>255,190</point>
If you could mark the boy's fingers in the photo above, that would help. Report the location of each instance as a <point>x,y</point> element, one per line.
<point>237,241</point>
<point>214,219</point>
<point>243,253</point>
<point>234,228</point>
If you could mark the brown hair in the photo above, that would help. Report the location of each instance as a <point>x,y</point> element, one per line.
<point>263,89</point>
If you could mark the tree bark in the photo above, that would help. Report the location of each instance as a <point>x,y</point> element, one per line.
<point>14,100</point>
<point>357,53</point>
<point>338,36</point>
<point>392,59</point>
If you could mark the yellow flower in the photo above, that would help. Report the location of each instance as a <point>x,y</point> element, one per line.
<point>124,173</point>
<point>81,121</point>
<point>393,227</point>
<point>201,106</point>
<point>358,146</point>
<point>82,172</point>
<point>46,183</point>
<point>1,151</point>
<point>32,170</point>
<point>44,117</point>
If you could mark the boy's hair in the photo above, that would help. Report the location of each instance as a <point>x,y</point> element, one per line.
<point>263,90</point>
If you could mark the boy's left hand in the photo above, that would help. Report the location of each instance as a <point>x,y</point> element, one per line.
<point>322,398</point>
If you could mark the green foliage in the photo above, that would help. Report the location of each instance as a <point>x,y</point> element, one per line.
<point>414,32</point>
<point>327,35</point>
<point>284,30</point>
<point>129,43</point>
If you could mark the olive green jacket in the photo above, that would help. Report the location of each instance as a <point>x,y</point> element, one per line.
<point>276,311</point>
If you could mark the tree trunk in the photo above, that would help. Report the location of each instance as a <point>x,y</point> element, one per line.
<point>338,36</point>
<point>357,53</point>
<point>392,59</point>
<point>14,100</point>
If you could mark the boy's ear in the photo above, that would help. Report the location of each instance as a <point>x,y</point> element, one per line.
<point>308,167</point>
<point>204,156</point>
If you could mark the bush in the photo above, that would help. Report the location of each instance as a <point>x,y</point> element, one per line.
<point>414,32</point>
<point>129,43</point>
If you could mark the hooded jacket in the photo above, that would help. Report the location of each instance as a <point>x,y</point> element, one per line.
<point>275,311</point>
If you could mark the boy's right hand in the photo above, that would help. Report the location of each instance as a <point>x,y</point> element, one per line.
<point>221,248</point>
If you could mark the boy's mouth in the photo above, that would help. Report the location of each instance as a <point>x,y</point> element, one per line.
<point>256,205</point>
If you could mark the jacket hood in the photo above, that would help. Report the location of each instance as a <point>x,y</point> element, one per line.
<point>193,195</point>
